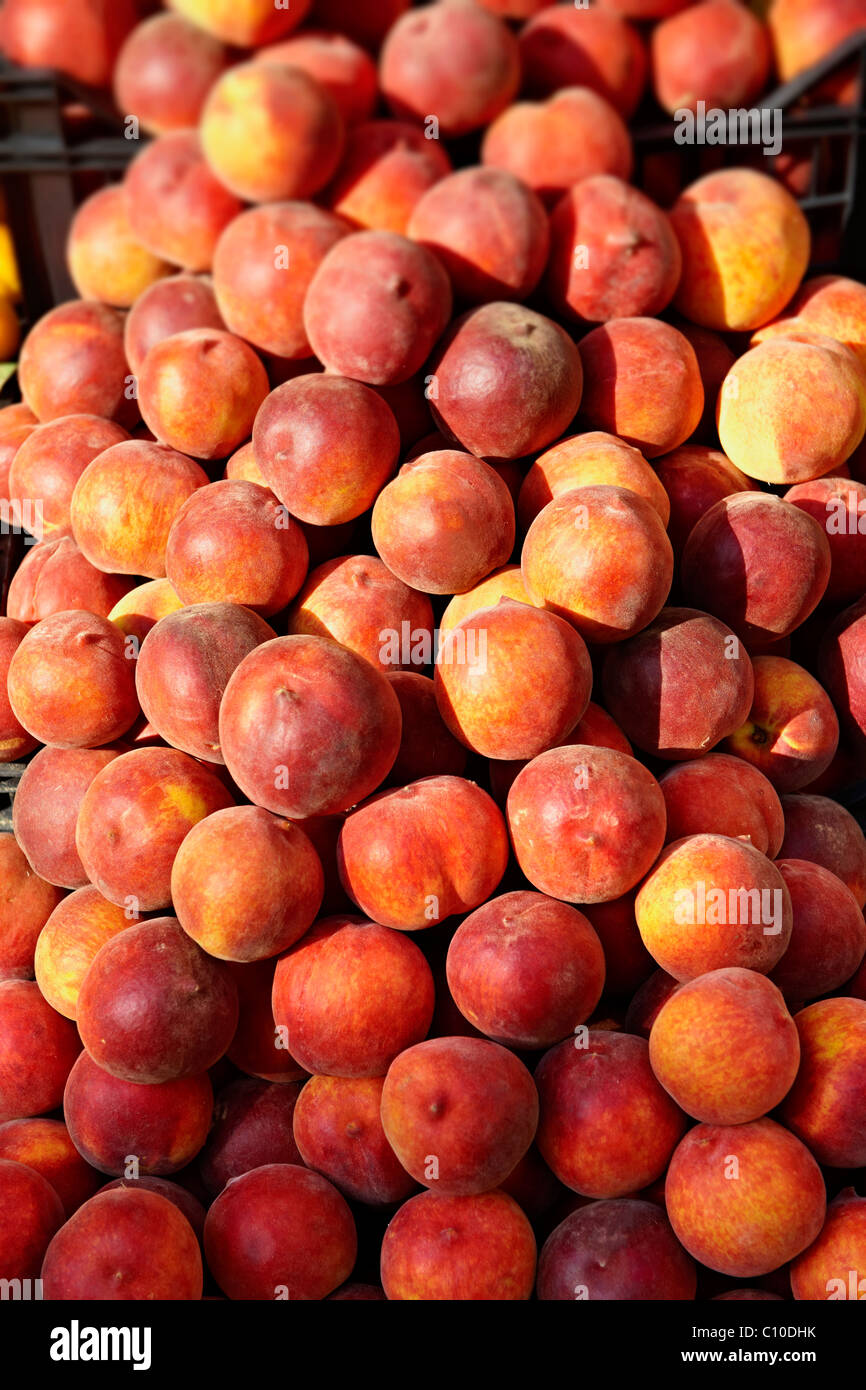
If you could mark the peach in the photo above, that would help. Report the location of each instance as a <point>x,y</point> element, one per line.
<point>10,442</point>
<point>716,52</point>
<point>246,885</point>
<point>824,1270</point>
<point>15,742</point>
<point>339,64</point>
<point>71,683</point>
<point>489,231</point>
<point>427,749</point>
<point>570,47</point>
<point>613,251</point>
<point>73,363</point>
<point>82,40</point>
<point>188,1205</point>
<point>791,733</point>
<point>506,582</point>
<point>588,460</point>
<point>745,245</point>
<point>37,1049</point>
<point>148,1022</point>
<point>825,1105</point>
<point>737,900</point>
<point>552,145</point>
<point>107,259</point>
<point>412,857</point>
<point>308,728</point>
<point>611,1250</point>
<point>525,969</point>
<point>338,1130</point>
<point>133,818</point>
<point>233,542</point>
<point>823,832</point>
<point>834,305</point>
<point>184,666</point>
<point>358,602</point>
<point>642,383</point>
<point>803,34</point>
<point>351,996</point>
<point>432,1098</point>
<point>731,565</point>
<point>679,686</point>
<point>444,523</point>
<point>31,1212</point>
<point>77,929</point>
<point>722,795</point>
<point>477,1248</point>
<point>376,306</point>
<point>125,1245</point>
<point>56,577</point>
<point>695,478</point>
<point>839,666</point>
<point>386,169</point>
<point>50,461</point>
<point>715,360</point>
<point>141,609</point>
<point>269,132</point>
<point>607,1128</point>
<point>586,823</point>
<point>280,1231</point>
<point>258,1047</point>
<point>262,268</point>
<point>45,1146</point>
<point>26,904</point>
<point>493,667</point>
<point>177,209</point>
<point>599,557</point>
<point>648,1001</point>
<point>125,502</point>
<point>458,62</point>
<point>506,381</point>
<point>725,1047</point>
<point>252,1127</point>
<point>744,1199</point>
<point>200,391</point>
<point>117,1124</point>
<point>783,438</point>
<point>326,446</point>
<point>838,504</point>
<point>172,305</point>
<point>164,72</point>
<point>828,941</point>
<point>59,777</point>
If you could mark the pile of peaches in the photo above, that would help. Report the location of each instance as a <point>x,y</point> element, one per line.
<point>440,661</point>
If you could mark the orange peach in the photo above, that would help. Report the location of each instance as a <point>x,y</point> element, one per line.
<point>200,391</point>
<point>803,34</point>
<point>506,582</point>
<point>140,609</point>
<point>825,1105</point>
<point>73,363</point>
<point>243,23</point>
<point>56,577</point>
<point>642,383</point>
<point>589,460</point>
<point>45,1146</point>
<point>450,1249</point>
<point>108,261</point>
<point>175,304</point>
<point>177,209</point>
<point>358,602</point>
<point>824,1271</point>
<point>59,776</point>
<point>76,930</point>
<point>27,903</point>
<point>339,64</point>
<point>386,169</point>
<point>834,305</point>
<point>338,1130</point>
<point>722,795</point>
<point>50,461</point>
<point>38,1047</point>
<point>791,733</point>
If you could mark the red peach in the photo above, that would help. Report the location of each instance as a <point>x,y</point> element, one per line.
<point>50,461</point>
<point>611,1250</point>
<point>828,941</point>
<point>475,1249</point>
<point>588,460</point>
<point>164,72</point>
<point>825,1106</point>
<point>200,391</point>
<point>358,602</point>
<point>26,903</point>
<point>243,23</point>
<point>176,208</point>
<point>82,41</point>
<point>642,383</point>
<point>340,65</point>
<point>427,749</point>
<point>386,169</point>
<point>15,742</point>
<point>570,47</point>
<point>56,577</point>
<point>30,1212</point>
<point>823,832</point>
<point>721,795</point>
<point>694,478</point>
<point>37,1049</point>
<point>716,52</point>
<point>45,1146</point>
<point>73,363</point>
<point>838,505</point>
<point>252,1127</point>
<point>77,929</point>
<point>173,305</point>
<point>791,732</point>
<point>258,1047</point>
<point>824,1270</point>
<point>338,1129</point>
<point>59,776</point>
<point>506,582</point>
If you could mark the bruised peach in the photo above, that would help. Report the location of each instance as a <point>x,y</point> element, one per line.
<point>31,1212</point>
<point>611,1250</point>
<point>586,823</point>
<point>269,131</point>
<point>175,304</point>
<point>412,857</point>
<point>359,603</point>
<point>711,903</point>
<point>71,682</point>
<point>376,306</point>
<point>722,795</point>
<point>37,1049</point>
<point>828,940</point>
<point>233,542</point>
<point>641,383</point>
<point>607,1128</point>
<point>45,1146</point>
<point>200,391</point>
<point>61,775</point>
<point>552,145</point>
<point>825,1105</point>
<point>73,363</point>
<point>15,741</point>
<point>26,903</point>
<point>451,1249</point>
<point>695,478</point>
<point>744,1199</point>
<point>308,728</point>
<point>184,666</point>
<point>491,669</point>
<point>246,885</point>
<point>133,818</point>
<point>431,1099</point>
<point>77,929</point>
<point>569,47</point>
<point>386,169</point>
<point>599,557</point>
<point>107,259</point>
<point>824,832</point>
<point>164,72</point>
<point>338,1130</point>
<point>791,733</point>
<point>177,209</point>
<point>506,381</point>
<point>51,460</point>
<point>525,969</point>
<point>326,446</point>
<point>444,523</point>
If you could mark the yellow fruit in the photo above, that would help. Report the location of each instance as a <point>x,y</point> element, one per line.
<point>10,281</point>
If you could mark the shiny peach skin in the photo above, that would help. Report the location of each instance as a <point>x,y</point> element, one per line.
<point>338,1130</point>
<point>459,1249</point>
<point>27,903</point>
<point>792,733</point>
<point>823,1272</point>
<point>412,857</point>
<point>683,884</point>
<point>747,1225</point>
<point>76,930</point>
<point>722,795</point>
<point>589,460</point>
<point>825,1106</point>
